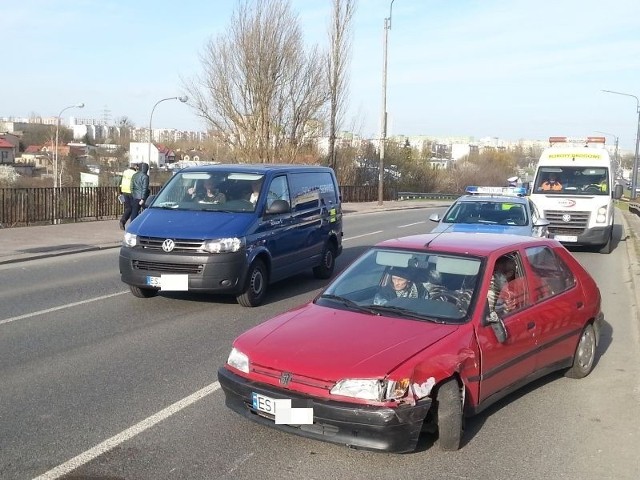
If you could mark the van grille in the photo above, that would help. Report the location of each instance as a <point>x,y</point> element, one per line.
<point>192,268</point>
<point>575,226</point>
<point>181,245</point>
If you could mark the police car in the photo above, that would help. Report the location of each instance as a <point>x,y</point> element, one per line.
<point>493,210</point>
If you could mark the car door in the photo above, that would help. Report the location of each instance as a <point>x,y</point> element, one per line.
<point>558,304</point>
<point>505,366</point>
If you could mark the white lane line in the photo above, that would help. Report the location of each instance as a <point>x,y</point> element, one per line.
<point>363,235</point>
<point>129,433</point>
<point>411,224</point>
<point>61,307</point>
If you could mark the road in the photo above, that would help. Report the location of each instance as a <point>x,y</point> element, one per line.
<point>126,388</point>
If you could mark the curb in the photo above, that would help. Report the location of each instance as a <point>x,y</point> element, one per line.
<point>634,266</point>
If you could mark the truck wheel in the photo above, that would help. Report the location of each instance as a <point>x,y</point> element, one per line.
<point>328,263</point>
<point>449,415</point>
<point>143,292</point>
<point>256,286</point>
<point>585,354</point>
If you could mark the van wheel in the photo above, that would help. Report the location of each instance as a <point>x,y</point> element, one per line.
<point>585,354</point>
<point>256,287</point>
<point>328,263</point>
<point>143,292</point>
<point>449,415</point>
<point>606,248</point>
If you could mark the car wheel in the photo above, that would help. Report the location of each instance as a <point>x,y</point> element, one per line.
<point>256,286</point>
<point>328,264</point>
<point>585,354</point>
<point>449,415</point>
<point>143,292</point>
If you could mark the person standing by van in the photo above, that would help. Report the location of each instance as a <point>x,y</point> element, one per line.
<point>125,190</point>
<point>139,190</point>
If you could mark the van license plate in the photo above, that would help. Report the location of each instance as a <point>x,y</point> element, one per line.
<point>565,238</point>
<point>154,281</point>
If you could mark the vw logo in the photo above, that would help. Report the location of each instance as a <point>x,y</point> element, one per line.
<point>566,218</point>
<point>168,245</point>
<point>285,378</point>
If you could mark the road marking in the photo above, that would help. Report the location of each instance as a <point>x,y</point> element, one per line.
<point>129,433</point>
<point>61,307</point>
<point>363,235</point>
<point>411,224</point>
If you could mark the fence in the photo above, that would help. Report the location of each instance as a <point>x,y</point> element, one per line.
<point>20,207</point>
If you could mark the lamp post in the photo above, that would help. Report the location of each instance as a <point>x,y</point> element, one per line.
<point>634,173</point>
<point>183,99</point>
<point>383,127</point>
<point>55,159</point>
<point>615,154</point>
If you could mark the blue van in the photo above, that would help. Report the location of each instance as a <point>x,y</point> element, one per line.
<point>234,229</point>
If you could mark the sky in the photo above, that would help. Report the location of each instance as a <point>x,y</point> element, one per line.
<point>516,69</point>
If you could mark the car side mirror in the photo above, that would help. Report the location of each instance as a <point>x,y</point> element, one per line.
<point>434,217</point>
<point>497,325</point>
<point>541,222</point>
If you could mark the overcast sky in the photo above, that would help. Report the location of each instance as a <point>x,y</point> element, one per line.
<point>513,69</point>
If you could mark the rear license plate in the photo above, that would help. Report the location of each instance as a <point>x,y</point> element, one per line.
<point>566,238</point>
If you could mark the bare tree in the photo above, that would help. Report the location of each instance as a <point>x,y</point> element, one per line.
<point>260,89</point>
<point>337,61</point>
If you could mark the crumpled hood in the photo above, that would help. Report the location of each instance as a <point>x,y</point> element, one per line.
<point>164,223</point>
<point>331,344</point>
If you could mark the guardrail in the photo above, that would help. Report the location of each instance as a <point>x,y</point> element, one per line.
<point>427,196</point>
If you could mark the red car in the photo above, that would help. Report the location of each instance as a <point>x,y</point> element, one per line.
<point>416,334</point>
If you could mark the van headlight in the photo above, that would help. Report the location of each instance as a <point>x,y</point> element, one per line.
<point>238,360</point>
<point>223,245</point>
<point>130,240</point>
<point>601,217</point>
<point>371,389</point>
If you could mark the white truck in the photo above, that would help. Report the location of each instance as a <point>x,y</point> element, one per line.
<point>573,189</point>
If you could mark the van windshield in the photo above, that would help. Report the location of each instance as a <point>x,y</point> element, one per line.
<point>229,191</point>
<point>573,180</point>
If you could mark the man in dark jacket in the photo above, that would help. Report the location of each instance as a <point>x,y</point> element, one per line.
<point>139,190</point>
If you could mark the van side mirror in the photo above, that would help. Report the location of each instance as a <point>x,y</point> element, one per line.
<point>278,207</point>
<point>497,325</point>
<point>617,191</point>
<point>149,200</point>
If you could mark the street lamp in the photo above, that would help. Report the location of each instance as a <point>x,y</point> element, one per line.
<point>183,99</point>
<point>634,173</point>
<point>383,134</point>
<point>55,161</point>
<point>615,154</point>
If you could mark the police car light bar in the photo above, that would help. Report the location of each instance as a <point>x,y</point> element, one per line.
<point>509,191</point>
<point>578,140</point>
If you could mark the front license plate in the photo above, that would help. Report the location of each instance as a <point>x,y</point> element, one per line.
<point>154,281</point>
<point>566,238</point>
<point>263,404</point>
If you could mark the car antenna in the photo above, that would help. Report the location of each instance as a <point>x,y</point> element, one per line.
<point>438,235</point>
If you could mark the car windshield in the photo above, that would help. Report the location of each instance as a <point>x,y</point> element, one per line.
<point>417,285</point>
<point>488,212</point>
<point>222,190</point>
<point>575,180</point>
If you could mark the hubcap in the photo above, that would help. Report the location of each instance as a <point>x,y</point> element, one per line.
<point>256,282</point>
<point>586,350</point>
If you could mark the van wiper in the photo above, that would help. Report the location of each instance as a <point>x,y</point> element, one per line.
<point>349,303</point>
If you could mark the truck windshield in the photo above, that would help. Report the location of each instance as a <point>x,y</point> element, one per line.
<point>572,180</point>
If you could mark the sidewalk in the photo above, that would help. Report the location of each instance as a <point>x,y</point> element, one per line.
<point>27,243</point>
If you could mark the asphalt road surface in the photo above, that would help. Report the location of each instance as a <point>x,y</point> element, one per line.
<point>97,384</point>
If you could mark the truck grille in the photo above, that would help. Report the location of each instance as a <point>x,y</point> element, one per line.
<point>181,245</point>
<point>575,226</point>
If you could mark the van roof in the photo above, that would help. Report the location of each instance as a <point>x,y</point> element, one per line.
<point>257,168</point>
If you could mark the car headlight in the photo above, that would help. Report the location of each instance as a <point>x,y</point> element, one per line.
<point>238,360</point>
<point>223,245</point>
<point>540,232</point>
<point>130,240</point>
<point>601,217</point>
<point>371,389</point>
